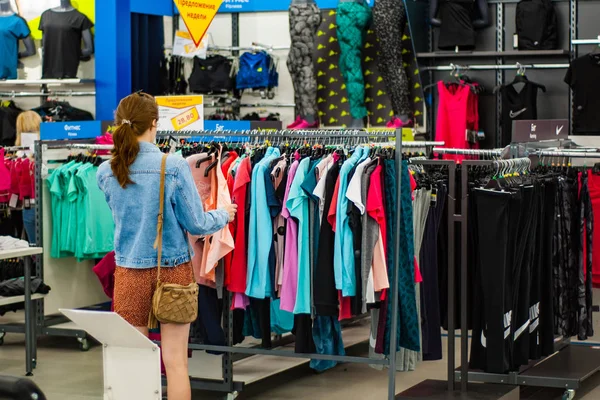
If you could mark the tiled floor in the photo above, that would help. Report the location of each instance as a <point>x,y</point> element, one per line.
<point>65,373</point>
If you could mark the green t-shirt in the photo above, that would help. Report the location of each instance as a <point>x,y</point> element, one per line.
<point>68,238</point>
<point>56,207</point>
<point>96,233</point>
<point>82,223</point>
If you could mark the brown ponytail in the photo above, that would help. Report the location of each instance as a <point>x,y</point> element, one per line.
<point>134,117</point>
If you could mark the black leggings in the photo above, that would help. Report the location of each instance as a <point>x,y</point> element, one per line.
<point>389,23</point>
<point>497,222</point>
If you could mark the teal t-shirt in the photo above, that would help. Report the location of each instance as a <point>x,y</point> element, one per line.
<point>96,233</point>
<point>70,208</point>
<point>56,207</point>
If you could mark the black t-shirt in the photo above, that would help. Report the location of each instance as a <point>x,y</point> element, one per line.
<point>457,25</point>
<point>583,77</point>
<point>62,42</point>
<point>517,106</point>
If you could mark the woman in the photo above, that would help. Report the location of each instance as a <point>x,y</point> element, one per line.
<point>28,131</point>
<point>130,182</point>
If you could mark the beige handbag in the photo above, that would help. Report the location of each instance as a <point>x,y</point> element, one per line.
<point>171,303</point>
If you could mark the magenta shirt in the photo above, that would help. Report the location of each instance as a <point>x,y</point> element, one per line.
<point>290,258</point>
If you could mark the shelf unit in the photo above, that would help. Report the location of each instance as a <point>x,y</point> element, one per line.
<point>28,298</point>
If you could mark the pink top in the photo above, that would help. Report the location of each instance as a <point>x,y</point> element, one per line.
<point>222,241</point>
<point>25,180</point>
<point>457,112</point>
<point>290,262</point>
<point>4,179</point>
<point>205,186</point>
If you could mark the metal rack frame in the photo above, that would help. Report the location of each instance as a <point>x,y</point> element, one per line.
<point>582,361</point>
<point>493,67</point>
<point>64,93</point>
<point>44,92</point>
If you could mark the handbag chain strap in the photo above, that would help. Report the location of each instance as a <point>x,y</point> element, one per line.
<point>161,209</point>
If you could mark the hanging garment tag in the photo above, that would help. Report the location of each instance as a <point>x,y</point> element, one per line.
<point>433,197</point>
<point>32,202</point>
<point>26,204</point>
<point>515,41</point>
<point>472,136</point>
<point>14,200</point>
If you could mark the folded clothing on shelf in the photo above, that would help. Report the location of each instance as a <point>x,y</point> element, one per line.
<point>11,243</point>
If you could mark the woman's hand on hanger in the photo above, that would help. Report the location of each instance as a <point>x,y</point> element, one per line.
<point>231,210</point>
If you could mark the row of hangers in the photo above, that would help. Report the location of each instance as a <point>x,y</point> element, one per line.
<point>89,157</point>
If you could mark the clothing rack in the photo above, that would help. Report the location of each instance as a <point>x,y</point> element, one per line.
<point>227,384</point>
<point>493,67</point>
<point>586,41</point>
<point>15,148</point>
<point>68,93</point>
<point>60,274</point>
<point>57,82</point>
<point>250,105</point>
<point>247,48</point>
<point>470,152</point>
<point>567,368</point>
<point>566,154</point>
<point>422,144</point>
<point>82,146</point>
<point>286,133</point>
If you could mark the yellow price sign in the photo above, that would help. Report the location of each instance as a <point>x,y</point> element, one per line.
<point>185,119</point>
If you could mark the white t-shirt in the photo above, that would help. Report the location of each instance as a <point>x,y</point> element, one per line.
<point>354,192</point>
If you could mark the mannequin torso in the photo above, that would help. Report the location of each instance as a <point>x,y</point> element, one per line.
<point>88,40</point>
<point>5,8</point>
<point>481,5</point>
<point>65,5</point>
<point>7,11</point>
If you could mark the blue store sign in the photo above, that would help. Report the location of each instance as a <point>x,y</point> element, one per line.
<point>234,6</point>
<point>70,130</point>
<point>220,126</point>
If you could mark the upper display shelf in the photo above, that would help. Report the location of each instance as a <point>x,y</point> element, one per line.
<point>51,82</point>
<point>484,54</point>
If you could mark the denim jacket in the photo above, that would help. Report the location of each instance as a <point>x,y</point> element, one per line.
<point>135,210</point>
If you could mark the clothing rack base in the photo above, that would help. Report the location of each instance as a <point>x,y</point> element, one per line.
<point>436,390</point>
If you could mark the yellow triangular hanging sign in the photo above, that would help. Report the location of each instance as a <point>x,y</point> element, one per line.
<point>197,16</point>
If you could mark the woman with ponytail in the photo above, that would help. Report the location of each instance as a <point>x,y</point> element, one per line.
<point>131,182</point>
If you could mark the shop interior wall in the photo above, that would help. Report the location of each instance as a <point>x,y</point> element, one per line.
<point>33,70</point>
<point>555,102</point>
<point>270,28</point>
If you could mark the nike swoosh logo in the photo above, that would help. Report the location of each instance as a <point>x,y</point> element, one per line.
<point>559,129</point>
<point>517,113</point>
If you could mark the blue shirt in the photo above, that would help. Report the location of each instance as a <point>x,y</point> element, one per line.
<point>12,28</point>
<point>135,210</point>
<point>343,256</point>
<point>297,204</point>
<point>260,231</point>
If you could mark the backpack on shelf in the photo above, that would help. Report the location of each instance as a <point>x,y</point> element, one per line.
<point>537,25</point>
